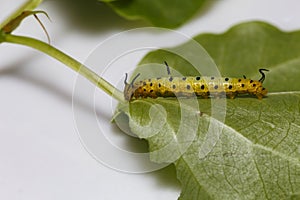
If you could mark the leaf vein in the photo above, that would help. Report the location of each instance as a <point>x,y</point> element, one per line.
<point>261,178</point>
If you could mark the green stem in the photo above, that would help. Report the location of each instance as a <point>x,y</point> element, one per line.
<point>67,60</point>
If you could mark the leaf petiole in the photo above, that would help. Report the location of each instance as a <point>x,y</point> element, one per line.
<point>65,59</point>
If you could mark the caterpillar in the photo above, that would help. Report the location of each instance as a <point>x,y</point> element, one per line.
<point>188,86</point>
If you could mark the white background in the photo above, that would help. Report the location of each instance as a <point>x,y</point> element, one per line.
<point>41,155</point>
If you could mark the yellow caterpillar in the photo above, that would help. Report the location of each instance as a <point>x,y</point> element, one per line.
<point>189,86</point>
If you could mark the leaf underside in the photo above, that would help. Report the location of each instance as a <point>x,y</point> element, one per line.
<point>241,148</point>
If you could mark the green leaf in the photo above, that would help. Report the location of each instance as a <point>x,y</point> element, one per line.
<point>162,13</point>
<point>241,148</point>
<point>249,46</point>
<point>256,157</point>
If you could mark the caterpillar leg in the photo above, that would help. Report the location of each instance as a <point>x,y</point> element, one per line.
<point>205,95</point>
<point>259,96</point>
<point>231,95</point>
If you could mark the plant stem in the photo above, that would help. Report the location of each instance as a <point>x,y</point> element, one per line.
<point>67,60</point>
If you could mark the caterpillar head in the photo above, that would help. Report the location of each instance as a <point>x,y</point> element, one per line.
<point>261,91</point>
<point>257,89</point>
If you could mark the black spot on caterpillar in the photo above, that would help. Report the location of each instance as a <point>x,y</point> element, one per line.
<point>189,86</point>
